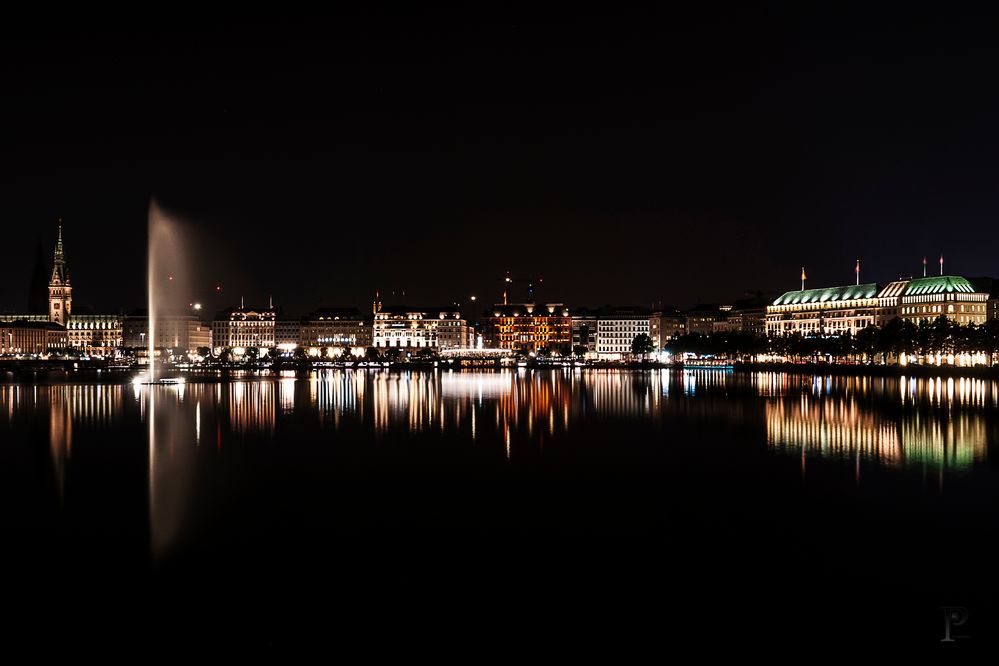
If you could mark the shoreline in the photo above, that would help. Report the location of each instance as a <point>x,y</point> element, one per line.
<point>35,373</point>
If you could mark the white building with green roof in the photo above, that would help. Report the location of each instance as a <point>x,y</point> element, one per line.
<point>828,311</point>
<point>952,296</point>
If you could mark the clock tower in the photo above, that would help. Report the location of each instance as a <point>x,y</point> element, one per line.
<point>60,290</point>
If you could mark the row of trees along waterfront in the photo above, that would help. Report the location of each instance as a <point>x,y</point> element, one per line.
<point>889,344</point>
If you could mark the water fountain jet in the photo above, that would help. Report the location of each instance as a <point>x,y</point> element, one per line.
<point>167,284</point>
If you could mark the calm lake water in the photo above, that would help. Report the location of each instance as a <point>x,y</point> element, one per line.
<point>660,506</point>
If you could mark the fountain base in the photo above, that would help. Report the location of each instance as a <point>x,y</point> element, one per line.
<point>139,381</point>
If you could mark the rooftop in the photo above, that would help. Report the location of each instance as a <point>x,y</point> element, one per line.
<point>943,284</point>
<point>334,313</point>
<point>828,294</point>
<point>894,289</point>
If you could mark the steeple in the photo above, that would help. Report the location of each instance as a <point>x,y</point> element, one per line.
<point>60,290</point>
<point>60,276</point>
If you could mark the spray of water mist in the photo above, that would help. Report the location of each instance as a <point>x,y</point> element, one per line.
<point>168,275</point>
<point>172,429</point>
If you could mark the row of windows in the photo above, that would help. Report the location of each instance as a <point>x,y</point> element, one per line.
<point>938,309</point>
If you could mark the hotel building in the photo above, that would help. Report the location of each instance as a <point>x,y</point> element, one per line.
<point>244,327</point>
<point>529,327</point>
<point>95,334</point>
<point>954,297</point>
<point>828,311</point>
<point>420,328</point>
<point>889,299</point>
<point>335,327</point>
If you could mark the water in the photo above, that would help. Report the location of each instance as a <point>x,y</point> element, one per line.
<point>670,505</point>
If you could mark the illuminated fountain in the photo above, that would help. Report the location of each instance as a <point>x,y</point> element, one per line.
<point>174,427</point>
<point>168,283</point>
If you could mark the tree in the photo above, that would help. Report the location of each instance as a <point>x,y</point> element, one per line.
<point>642,345</point>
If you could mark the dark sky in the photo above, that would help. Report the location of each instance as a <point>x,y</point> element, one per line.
<point>626,159</point>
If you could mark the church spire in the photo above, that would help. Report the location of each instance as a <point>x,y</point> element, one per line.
<point>59,273</point>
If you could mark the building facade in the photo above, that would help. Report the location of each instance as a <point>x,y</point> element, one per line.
<point>181,333</point>
<point>951,296</point>
<point>95,334</point>
<point>420,328</point>
<point>617,329</point>
<point>287,332</point>
<point>829,311</point>
<point>31,337</point>
<point>529,327</point>
<point>665,325</point>
<point>749,315</point>
<point>889,299</point>
<point>584,331</point>
<point>335,327</point>
<point>244,327</point>
<point>701,318</point>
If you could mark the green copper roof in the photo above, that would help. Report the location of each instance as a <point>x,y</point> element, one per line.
<point>829,294</point>
<point>938,285</point>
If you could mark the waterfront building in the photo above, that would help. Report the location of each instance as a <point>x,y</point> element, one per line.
<point>529,327</point>
<point>987,285</point>
<point>419,327</point>
<point>242,327</point>
<point>31,337</point>
<point>335,327</point>
<point>666,324</point>
<point>749,315</point>
<point>617,328</point>
<point>951,296</point>
<point>183,333</point>
<point>828,311</point>
<point>584,331</point>
<point>95,334</point>
<point>288,332</point>
<point>889,299</point>
<point>701,318</point>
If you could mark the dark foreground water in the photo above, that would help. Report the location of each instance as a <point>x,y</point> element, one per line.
<point>530,512</point>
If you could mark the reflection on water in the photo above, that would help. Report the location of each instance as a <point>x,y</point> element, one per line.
<point>893,422</point>
<point>180,431</point>
<point>837,428</point>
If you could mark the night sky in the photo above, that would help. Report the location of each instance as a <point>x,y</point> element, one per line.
<point>628,159</point>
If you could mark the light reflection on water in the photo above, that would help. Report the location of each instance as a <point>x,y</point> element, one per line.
<point>894,423</point>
